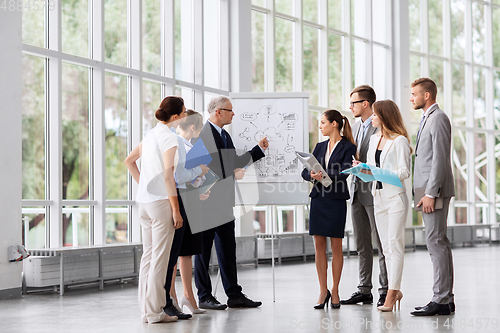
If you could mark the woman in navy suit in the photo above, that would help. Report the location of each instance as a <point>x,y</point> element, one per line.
<point>328,204</point>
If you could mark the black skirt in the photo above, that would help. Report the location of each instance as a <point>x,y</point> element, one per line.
<point>191,244</point>
<point>327,217</point>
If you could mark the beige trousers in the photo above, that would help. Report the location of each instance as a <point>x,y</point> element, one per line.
<point>157,236</point>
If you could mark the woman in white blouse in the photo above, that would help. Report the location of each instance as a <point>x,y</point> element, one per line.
<point>390,150</point>
<point>158,206</point>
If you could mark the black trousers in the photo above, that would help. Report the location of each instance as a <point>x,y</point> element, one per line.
<point>174,252</point>
<point>225,245</point>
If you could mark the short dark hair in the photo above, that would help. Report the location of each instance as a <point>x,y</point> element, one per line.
<point>427,86</point>
<point>365,92</point>
<point>170,106</point>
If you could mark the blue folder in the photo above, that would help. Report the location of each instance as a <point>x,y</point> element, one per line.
<point>197,155</point>
<point>381,175</point>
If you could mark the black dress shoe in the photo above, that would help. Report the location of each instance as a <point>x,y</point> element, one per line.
<point>173,311</point>
<point>211,304</point>
<point>242,302</point>
<point>452,307</point>
<point>358,297</point>
<point>381,300</point>
<point>433,309</point>
<point>451,304</point>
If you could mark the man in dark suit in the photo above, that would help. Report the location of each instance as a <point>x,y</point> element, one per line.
<point>433,172</point>
<point>363,218</point>
<point>218,208</point>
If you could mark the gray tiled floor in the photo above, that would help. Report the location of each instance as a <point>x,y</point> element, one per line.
<point>115,309</point>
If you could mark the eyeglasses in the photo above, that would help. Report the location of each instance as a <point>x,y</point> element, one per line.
<point>226,109</point>
<point>363,100</point>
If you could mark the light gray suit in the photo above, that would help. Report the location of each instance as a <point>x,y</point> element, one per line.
<point>363,222</point>
<point>432,170</point>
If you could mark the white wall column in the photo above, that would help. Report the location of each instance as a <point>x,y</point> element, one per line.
<point>401,69</point>
<point>240,18</point>
<point>298,55</point>
<point>10,149</point>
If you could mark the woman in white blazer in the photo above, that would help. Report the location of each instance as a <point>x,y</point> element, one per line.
<point>390,150</point>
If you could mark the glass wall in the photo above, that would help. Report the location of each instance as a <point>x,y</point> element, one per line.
<point>107,81</point>
<point>324,47</point>
<point>105,86</point>
<point>461,54</point>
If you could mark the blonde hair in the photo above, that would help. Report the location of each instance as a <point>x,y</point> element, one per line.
<point>391,120</point>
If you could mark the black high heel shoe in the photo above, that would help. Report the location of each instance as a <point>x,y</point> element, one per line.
<point>335,305</point>
<point>322,305</point>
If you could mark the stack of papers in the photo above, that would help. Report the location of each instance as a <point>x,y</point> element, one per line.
<point>311,163</point>
<point>378,174</point>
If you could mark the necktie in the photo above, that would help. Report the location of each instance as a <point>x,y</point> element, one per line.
<point>361,135</point>
<point>224,138</point>
<point>420,127</point>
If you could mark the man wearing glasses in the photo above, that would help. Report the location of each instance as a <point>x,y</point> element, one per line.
<point>217,210</point>
<point>363,218</point>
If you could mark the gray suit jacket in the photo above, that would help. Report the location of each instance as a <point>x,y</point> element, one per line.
<point>364,189</point>
<point>432,168</point>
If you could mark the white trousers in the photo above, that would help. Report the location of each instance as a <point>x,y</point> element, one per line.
<point>390,218</point>
<point>157,236</point>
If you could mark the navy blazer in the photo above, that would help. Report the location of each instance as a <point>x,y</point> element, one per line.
<point>340,159</point>
<point>219,205</point>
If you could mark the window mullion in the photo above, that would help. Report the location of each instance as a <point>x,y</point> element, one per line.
<point>298,55</point>
<point>54,143</point>
<point>323,70</point>
<point>424,32</point>
<point>198,64</point>
<point>270,54</point>
<point>224,38</point>
<point>369,44</point>
<point>490,121</point>
<point>469,92</point>
<point>97,182</point>
<point>135,99</point>
<point>347,56</point>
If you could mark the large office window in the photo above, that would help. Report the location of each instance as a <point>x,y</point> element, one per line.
<point>456,43</point>
<point>289,39</point>
<point>324,47</point>
<point>91,86</point>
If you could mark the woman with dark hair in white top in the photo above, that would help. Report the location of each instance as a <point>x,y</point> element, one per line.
<point>158,206</point>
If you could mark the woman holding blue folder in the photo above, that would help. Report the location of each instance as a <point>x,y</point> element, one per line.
<point>328,204</point>
<point>191,243</point>
<point>390,150</point>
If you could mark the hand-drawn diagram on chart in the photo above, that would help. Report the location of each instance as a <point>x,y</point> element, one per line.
<point>281,121</point>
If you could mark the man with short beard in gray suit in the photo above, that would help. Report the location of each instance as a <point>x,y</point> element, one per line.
<point>363,218</point>
<point>432,171</point>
